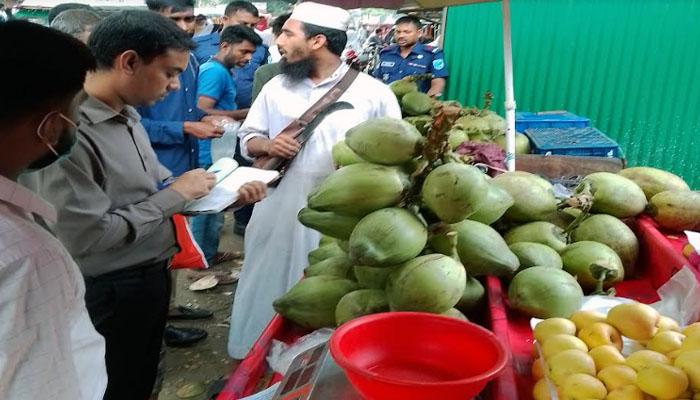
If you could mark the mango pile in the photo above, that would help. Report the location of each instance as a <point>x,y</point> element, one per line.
<point>581,357</point>
<point>408,226</point>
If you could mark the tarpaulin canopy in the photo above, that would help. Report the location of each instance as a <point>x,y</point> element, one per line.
<point>507,49</point>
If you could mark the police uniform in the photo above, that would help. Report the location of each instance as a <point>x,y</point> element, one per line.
<point>422,59</point>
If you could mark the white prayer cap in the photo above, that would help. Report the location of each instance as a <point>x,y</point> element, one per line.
<point>322,15</point>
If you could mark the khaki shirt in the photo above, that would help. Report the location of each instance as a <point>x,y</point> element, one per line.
<point>111,214</point>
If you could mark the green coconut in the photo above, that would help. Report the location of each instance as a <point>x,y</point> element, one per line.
<point>326,251</point>
<point>328,223</point>
<point>312,302</point>
<point>421,122</point>
<point>480,248</point>
<point>359,189</point>
<point>433,283</point>
<point>543,292</point>
<point>498,124</point>
<point>387,237</point>
<point>456,314</point>
<point>473,296</point>
<point>416,103</point>
<point>533,197</point>
<point>456,137</point>
<point>402,87</point>
<point>613,233</point>
<point>454,191</point>
<point>360,303</point>
<point>595,265</point>
<point>338,266</point>
<point>653,180</point>
<point>541,232</point>
<point>614,194</point>
<point>535,254</point>
<point>676,210</point>
<point>372,277</point>
<point>497,202</point>
<point>343,155</point>
<point>475,126</point>
<point>385,141</point>
<point>522,143</point>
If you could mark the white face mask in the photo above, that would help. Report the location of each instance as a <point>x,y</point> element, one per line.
<point>62,148</point>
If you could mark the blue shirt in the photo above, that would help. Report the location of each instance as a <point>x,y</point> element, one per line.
<point>215,81</point>
<point>164,121</point>
<point>208,45</point>
<point>422,59</point>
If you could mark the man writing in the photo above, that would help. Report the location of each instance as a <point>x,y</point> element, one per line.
<point>48,346</point>
<point>276,245</point>
<point>410,57</point>
<point>113,217</point>
<point>217,92</point>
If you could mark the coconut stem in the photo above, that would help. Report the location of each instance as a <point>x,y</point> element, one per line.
<point>602,273</point>
<point>416,78</point>
<point>436,150</point>
<point>583,201</point>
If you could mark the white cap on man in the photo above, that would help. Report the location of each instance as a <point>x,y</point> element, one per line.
<point>322,15</point>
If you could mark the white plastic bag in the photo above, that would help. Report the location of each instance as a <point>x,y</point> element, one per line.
<point>225,146</point>
<point>282,354</point>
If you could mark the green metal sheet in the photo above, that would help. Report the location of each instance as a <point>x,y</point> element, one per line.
<point>629,66</point>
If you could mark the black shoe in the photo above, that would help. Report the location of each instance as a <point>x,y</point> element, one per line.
<point>239,229</point>
<point>188,313</point>
<point>183,337</point>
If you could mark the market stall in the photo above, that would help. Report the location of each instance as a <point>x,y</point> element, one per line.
<point>428,233</point>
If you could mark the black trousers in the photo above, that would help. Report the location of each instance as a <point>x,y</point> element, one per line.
<point>129,308</point>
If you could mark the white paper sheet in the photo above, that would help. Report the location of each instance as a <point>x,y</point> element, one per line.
<point>226,192</point>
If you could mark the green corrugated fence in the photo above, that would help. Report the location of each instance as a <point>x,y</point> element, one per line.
<point>631,66</point>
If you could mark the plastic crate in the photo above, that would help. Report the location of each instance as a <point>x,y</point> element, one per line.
<point>528,120</point>
<point>572,142</point>
<point>660,258</point>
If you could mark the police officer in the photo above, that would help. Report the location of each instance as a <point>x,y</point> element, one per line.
<point>411,57</point>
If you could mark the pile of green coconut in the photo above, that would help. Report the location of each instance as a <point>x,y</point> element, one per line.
<point>409,227</point>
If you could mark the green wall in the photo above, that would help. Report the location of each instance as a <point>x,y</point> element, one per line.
<point>631,66</point>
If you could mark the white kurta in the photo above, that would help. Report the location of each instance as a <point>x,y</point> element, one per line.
<point>276,244</point>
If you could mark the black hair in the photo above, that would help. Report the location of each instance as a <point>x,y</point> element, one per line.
<point>278,23</point>
<point>378,31</point>
<point>239,33</point>
<point>175,6</point>
<point>410,19</point>
<point>53,13</point>
<point>246,6</point>
<point>147,33</point>
<point>335,38</point>
<point>74,22</point>
<point>24,90</point>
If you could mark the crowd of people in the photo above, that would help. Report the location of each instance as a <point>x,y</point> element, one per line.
<point>106,125</point>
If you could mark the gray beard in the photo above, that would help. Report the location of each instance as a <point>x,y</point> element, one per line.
<point>297,71</point>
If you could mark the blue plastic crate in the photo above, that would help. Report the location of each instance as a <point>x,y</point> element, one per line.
<point>528,120</point>
<point>572,142</point>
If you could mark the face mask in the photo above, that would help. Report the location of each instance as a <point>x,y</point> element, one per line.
<point>63,147</point>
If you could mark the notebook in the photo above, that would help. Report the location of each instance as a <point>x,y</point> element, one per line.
<point>229,178</point>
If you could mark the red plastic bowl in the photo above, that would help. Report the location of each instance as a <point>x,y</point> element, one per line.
<point>411,355</point>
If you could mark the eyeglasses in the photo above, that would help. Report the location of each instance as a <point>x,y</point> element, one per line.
<point>189,19</point>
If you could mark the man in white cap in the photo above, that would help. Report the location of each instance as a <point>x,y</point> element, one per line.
<point>276,244</point>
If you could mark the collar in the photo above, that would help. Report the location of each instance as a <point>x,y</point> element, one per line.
<point>13,193</point>
<point>416,49</point>
<point>336,75</point>
<point>97,112</point>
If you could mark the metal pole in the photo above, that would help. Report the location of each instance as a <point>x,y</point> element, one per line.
<point>510,96</point>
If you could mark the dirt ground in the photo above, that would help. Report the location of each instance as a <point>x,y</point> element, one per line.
<point>208,360</point>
